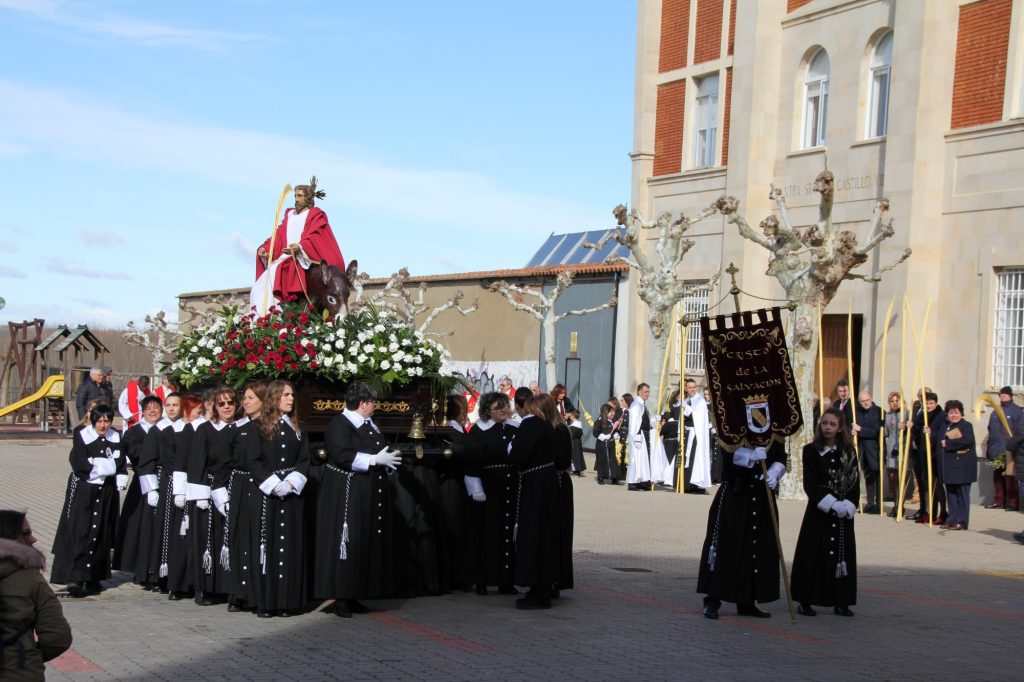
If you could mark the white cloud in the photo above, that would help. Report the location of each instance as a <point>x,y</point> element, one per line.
<point>65,268</point>
<point>241,248</point>
<point>97,237</point>
<point>12,273</point>
<point>63,125</point>
<point>8,246</point>
<point>132,30</point>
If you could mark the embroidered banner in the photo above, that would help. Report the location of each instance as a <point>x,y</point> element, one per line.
<point>753,390</point>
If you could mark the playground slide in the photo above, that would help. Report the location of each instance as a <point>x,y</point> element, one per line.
<point>53,387</point>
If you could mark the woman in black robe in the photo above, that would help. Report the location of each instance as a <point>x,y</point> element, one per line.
<point>537,529</point>
<point>605,460</point>
<point>579,464</point>
<point>88,520</point>
<point>959,465</point>
<point>562,456</point>
<point>279,464</point>
<point>355,540</point>
<point>739,562</point>
<point>176,549</point>
<point>454,503</point>
<point>207,457</point>
<point>236,478</point>
<point>494,562</point>
<point>825,562</point>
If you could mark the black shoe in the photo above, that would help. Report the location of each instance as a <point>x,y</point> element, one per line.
<point>284,614</point>
<point>752,611</point>
<point>529,603</point>
<point>341,609</point>
<point>77,590</point>
<point>507,589</point>
<point>806,610</point>
<point>236,607</point>
<point>481,590</point>
<point>616,481</point>
<point>711,612</point>
<point>871,509</point>
<point>600,481</point>
<point>842,611</point>
<point>264,614</point>
<point>993,506</point>
<point>94,586</point>
<point>916,516</point>
<point>356,606</point>
<point>1009,509</point>
<point>632,486</point>
<point>203,600</point>
<point>1019,537</point>
<point>174,596</point>
<point>892,514</point>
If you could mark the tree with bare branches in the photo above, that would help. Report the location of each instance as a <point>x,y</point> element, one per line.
<point>544,310</point>
<point>811,263</point>
<point>159,339</point>
<point>396,297</point>
<point>662,284</point>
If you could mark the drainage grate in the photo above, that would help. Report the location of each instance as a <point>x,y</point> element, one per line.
<point>627,569</point>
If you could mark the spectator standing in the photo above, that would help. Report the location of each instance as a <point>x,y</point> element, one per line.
<point>1005,484</point>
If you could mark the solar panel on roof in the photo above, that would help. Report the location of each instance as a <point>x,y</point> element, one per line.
<point>568,249</point>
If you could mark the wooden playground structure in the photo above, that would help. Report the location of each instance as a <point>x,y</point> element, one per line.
<point>34,392</point>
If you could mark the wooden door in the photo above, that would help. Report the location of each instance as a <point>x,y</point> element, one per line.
<point>835,365</point>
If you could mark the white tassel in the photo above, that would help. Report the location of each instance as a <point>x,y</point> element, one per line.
<point>841,569</point>
<point>343,551</point>
<point>163,570</point>
<point>515,532</point>
<point>712,557</point>
<point>184,526</point>
<point>207,562</point>
<point>263,557</point>
<point>225,557</point>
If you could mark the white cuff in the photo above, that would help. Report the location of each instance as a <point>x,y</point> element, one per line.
<point>196,492</point>
<point>122,481</point>
<point>268,485</point>
<point>102,467</point>
<point>604,436</point>
<point>179,482</point>
<point>362,462</point>
<point>826,503</point>
<point>741,458</point>
<point>473,485</point>
<point>219,496</point>
<point>148,483</point>
<point>778,470</point>
<point>297,480</point>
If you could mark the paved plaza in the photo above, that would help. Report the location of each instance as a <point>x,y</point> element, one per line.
<point>932,605</point>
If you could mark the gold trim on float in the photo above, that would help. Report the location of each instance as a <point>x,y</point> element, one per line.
<point>382,406</point>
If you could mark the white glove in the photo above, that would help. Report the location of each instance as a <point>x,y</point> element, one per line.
<point>773,480</point>
<point>152,498</point>
<point>480,497</point>
<point>775,472</point>
<point>604,437</point>
<point>282,489</point>
<point>179,501</point>
<point>851,508</point>
<point>840,509</point>
<point>203,504</point>
<point>387,458</point>
<point>223,509</point>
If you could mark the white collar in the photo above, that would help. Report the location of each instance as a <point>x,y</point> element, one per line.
<point>577,423</point>
<point>287,420</point>
<point>526,416</point>
<point>146,426</point>
<point>456,425</point>
<point>357,419</point>
<point>89,435</point>
<point>485,424</point>
<point>825,449</point>
<point>163,423</point>
<point>243,421</point>
<point>197,422</point>
<point>218,425</point>
<point>178,425</point>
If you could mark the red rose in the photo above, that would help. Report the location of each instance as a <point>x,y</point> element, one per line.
<point>313,365</point>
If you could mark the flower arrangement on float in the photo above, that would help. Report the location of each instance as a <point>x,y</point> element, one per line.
<point>293,340</point>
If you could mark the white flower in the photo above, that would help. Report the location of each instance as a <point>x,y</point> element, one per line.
<point>392,338</point>
<point>378,328</point>
<point>351,367</point>
<point>328,361</point>
<point>362,358</point>
<point>218,350</point>
<point>385,365</point>
<point>418,371</point>
<point>417,359</point>
<point>202,342</point>
<point>406,342</point>
<point>362,336</point>
<point>393,346</point>
<point>339,344</point>
<point>397,367</point>
<point>369,348</point>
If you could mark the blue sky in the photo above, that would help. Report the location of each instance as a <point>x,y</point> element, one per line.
<point>144,144</point>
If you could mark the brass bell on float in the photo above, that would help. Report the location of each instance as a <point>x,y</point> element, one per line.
<point>416,432</point>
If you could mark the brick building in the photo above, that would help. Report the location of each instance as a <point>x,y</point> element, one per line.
<point>919,101</point>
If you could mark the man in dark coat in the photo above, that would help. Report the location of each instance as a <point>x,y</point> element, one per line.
<point>90,389</point>
<point>929,440</point>
<point>844,402</point>
<point>1006,493</point>
<point>868,428</point>
<point>740,561</point>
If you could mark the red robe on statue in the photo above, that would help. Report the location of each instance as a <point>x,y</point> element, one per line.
<point>317,241</point>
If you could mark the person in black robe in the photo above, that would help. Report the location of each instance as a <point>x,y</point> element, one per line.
<point>579,464</point>
<point>354,536</point>
<point>825,562</point>
<point>236,478</point>
<point>959,466</point>
<point>494,561</point>
<point>537,528</point>
<point>177,549</point>
<point>454,502</point>
<point>136,524</point>
<point>670,435</point>
<point>160,450</point>
<point>279,464</point>
<point>88,519</point>
<point>868,430</point>
<point>739,562</point>
<point>207,457</point>
<point>562,457</point>
<point>933,497</point>
<point>605,460</point>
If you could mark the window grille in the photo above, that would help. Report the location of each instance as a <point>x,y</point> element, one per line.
<point>1008,346</point>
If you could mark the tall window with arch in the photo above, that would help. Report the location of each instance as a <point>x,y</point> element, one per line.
<point>816,100</point>
<point>706,140</point>
<point>881,67</point>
